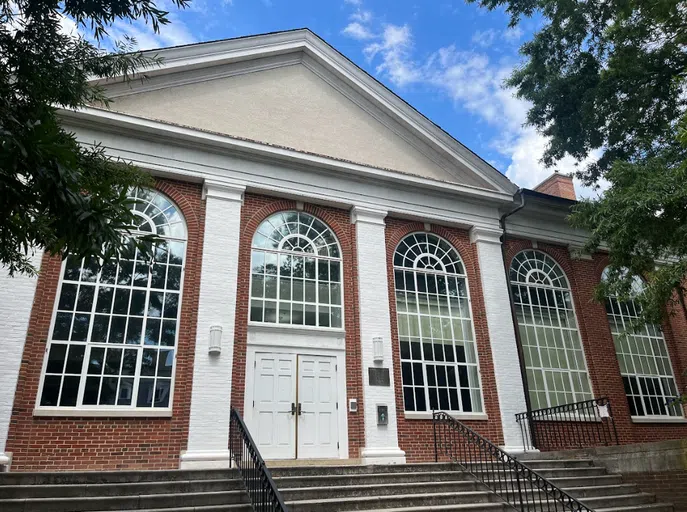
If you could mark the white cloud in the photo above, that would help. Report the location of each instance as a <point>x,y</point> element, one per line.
<point>484,38</point>
<point>394,51</point>
<point>174,33</point>
<point>513,35</point>
<point>353,2</point>
<point>474,82</point>
<point>361,16</point>
<point>68,26</point>
<point>358,31</point>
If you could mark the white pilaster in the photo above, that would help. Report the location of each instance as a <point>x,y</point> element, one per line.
<point>381,441</point>
<point>208,435</point>
<point>501,334</point>
<point>16,301</point>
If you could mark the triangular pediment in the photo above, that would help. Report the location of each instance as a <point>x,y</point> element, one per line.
<point>292,99</point>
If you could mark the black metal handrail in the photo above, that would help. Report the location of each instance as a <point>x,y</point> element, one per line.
<point>510,479</point>
<point>565,427</point>
<point>244,454</point>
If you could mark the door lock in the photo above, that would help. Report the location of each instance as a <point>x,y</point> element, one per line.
<point>293,409</point>
<point>299,409</point>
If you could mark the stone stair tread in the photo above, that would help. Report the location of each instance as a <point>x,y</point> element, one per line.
<point>610,476</point>
<point>102,485</point>
<point>571,490</point>
<point>371,486</point>
<point>439,508</point>
<point>362,475</point>
<point>632,508</point>
<point>585,500</point>
<point>200,508</point>
<point>81,477</point>
<point>130,496</point>
<point>390,497</point>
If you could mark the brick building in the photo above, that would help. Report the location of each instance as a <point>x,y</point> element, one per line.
<point>334,266</point>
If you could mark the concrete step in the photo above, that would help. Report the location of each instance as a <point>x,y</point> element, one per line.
<point>553,463</point>
<point>651,507</point>
<point>392,501</point>
<point>287,482</point>
<point>103,503</point>
<point>592,491</point>
<point>285,471</point>
<point>112,477</point>
<point>119,489</point>
<point>620,500</point>
<point>210,508</point>
<point>479,507</point>
<point>583,481</point>
<point>385,489</point>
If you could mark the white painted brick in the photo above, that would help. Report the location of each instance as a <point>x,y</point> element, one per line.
<point>501,334</point>
<point>16,300</point>
<point>210,404</point>
<point>381,442</point>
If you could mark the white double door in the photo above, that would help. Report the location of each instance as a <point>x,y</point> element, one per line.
<point>295,406</point>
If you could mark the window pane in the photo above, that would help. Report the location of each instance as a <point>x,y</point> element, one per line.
<point>126,311</point>
<point>548,329</point>
<point>643,360</point>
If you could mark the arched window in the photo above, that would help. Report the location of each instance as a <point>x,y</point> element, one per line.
<point>114,331</point>
<point>643,358</point>
<point>554,359</point>
<point>296,272</point>
<point>438,355</point>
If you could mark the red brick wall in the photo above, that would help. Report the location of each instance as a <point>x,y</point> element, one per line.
<point>560,185</point>
<point>255,209</point>
<point>604,371</point>
<point>668,486</point>
<point>83,443</point>
<point>415,437</point>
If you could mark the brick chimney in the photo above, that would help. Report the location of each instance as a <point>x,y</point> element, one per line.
<point>559,185</point>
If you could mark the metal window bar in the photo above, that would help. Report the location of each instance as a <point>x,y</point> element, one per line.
<point>244,455</point>
<point>508,478</point>
<point>566,427</point>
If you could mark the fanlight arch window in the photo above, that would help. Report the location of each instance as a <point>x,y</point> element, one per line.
<point>296,272</point>
<point>554,358</point>
<point>643,358</point>
<point>114,332</point>
<point>439,362</point>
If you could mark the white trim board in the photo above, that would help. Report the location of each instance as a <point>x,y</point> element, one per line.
<point>194,155</point>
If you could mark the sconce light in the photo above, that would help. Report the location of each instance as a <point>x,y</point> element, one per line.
<point>378,346</point>
<point>215,345</point>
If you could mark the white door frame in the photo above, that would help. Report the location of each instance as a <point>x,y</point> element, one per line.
<point>297,340</point>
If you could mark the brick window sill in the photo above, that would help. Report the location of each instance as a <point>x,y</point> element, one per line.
<point>468,416</point>
<point>58,412</point>
<point>643,419</point>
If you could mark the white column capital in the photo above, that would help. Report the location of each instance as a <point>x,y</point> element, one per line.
<point>485,235</point>
<point>223,190</point>
<point>368,215</point>
<point>577,252</point>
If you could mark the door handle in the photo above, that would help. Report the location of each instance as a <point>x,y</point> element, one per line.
<point>299,409</point>
<point>293,409</point>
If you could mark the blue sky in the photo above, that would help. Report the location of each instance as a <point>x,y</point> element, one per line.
<point>445,57</point>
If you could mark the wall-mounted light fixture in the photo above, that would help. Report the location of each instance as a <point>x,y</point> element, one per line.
<point>215,344</point>
<point>378,349</point>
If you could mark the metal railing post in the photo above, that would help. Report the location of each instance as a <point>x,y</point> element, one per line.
<point>261,488</point>
<point>486,463</point>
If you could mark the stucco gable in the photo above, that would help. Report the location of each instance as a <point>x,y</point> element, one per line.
<point>292,106</point>
<point>293,90</point>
